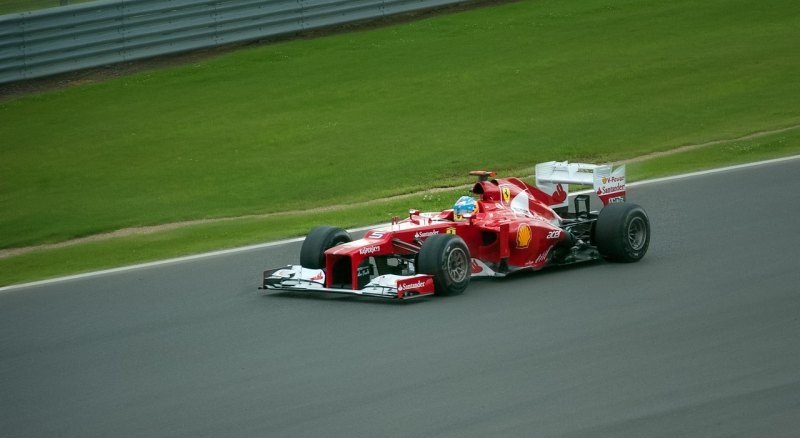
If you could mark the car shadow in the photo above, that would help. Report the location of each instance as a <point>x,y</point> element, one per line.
<point>322,296</point>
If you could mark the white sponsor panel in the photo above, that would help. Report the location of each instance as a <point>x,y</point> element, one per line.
<point>610,187</point>
<point>392,282</point>
<point>402,287</point>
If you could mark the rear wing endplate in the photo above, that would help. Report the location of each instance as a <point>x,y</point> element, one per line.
<point>608,183</point>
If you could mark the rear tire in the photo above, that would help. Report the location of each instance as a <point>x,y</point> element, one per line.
<point>446,258</point>
<point>319,240</point>
<point>622,232</point>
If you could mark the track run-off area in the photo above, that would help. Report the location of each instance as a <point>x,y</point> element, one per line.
<point>697,339</point>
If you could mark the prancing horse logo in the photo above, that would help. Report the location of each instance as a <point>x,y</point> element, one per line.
<point>506,192</point>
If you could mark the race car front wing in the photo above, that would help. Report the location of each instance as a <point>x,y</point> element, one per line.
<point>298,279</point>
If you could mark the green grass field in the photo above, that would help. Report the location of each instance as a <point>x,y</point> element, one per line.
<point>360,115</point>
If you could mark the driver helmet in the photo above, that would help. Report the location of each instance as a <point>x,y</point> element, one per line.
<point>465,207</point>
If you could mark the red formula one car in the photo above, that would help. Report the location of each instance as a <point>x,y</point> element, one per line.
<point>504,227</point>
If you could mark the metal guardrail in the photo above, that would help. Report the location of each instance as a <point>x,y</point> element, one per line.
<point>58,40</point>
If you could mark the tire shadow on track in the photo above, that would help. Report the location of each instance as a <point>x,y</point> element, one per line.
<point>334,298</point>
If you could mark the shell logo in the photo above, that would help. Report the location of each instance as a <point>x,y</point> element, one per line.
<point>524,236</point>
<point>605,180</point>
<point>506,192</point>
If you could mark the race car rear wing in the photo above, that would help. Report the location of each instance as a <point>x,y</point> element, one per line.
<point>608,183</point>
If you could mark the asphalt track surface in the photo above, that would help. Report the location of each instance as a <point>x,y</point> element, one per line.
<point>701,338</point>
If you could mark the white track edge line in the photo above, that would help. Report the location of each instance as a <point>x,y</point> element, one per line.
<point>299,239</point>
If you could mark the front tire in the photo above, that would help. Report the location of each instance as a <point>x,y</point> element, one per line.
<point>319,240</point>
<point>446,258</point>
<point>622,232</point>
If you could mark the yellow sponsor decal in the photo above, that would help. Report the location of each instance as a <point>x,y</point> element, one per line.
<point>451,230</point>
<point>506,192</point>
<point>524,236</point>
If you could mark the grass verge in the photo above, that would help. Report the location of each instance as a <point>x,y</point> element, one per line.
<point>195,239</point>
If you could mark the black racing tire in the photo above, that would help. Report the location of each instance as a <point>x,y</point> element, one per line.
<point>622,232</point>
<point>446,258</point>
<point>319,240</point>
